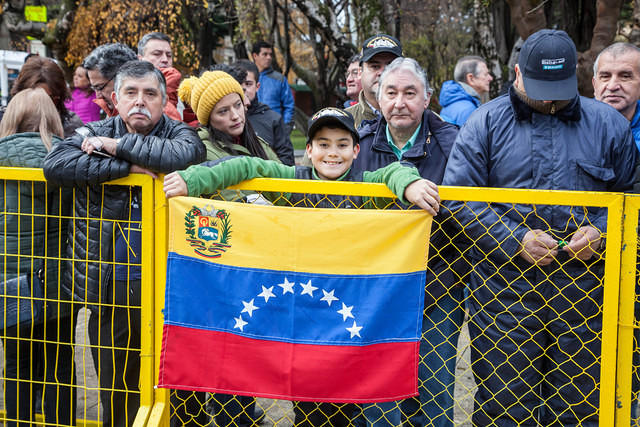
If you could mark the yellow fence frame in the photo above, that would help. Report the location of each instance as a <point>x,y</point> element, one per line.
<point>619,286</point>
<point>626,315</point>
<point>147,185</point>
<point>614,202</point>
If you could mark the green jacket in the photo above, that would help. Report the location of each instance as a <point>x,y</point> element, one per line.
<point>219,149</point>
<point>204,179</point>
<point>26,235</point>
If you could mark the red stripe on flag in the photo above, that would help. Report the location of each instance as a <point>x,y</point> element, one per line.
<point>194,359</point>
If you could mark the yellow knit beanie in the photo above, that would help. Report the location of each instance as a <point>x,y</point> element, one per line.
<point>203,93</point>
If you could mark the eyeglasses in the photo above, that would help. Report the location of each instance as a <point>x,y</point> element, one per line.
<point>353,73</point>
<point>101,87</point>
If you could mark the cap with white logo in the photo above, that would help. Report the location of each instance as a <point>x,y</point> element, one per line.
<point>548,62</point>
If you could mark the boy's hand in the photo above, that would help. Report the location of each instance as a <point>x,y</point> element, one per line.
<point>174,185</point>
<point>423,193</point>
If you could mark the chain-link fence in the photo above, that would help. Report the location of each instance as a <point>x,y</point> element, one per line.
<point>505,341</point>
<point>73,270</point>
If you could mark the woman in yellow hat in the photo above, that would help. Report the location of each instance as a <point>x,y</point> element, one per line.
<point>218,101</point>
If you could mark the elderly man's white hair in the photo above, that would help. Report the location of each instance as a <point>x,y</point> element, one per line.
<point>408,64</point>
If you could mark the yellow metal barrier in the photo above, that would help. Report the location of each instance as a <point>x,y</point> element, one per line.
<point>280,413</point>
<point>89,411</point>
<point>626,318</point>
<point>614,381</point>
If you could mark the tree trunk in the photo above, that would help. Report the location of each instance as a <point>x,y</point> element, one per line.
<point>527,16</point>
<point>608,12</point>
<point>485,43</point>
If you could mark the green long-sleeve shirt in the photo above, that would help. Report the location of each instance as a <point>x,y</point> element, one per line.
<point>202,179</point>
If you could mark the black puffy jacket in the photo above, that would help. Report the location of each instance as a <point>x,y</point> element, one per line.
<point>170,146</point>
<point>268,125</point>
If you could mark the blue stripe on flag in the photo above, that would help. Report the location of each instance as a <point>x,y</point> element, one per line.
<point>287,306</point>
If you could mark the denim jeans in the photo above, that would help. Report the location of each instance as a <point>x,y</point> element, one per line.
<point>436,372</point>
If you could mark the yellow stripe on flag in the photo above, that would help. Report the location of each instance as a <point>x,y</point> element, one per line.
<point>286,238</point>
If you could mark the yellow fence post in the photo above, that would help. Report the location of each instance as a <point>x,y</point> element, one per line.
<point>160,413</point>
<point>610,312</point>
<point>147,307</point>
<point>626,318</point>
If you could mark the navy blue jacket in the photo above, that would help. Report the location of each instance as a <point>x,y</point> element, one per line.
<point>429,155</point>
<point>587,146</point>
<point>457,104</point>
<point>276,93</point>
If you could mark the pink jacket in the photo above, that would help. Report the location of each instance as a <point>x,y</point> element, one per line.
<point>83,105</point>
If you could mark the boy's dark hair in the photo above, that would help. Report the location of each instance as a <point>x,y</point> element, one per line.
<point>249,67</point>
<point>260,45</point>
<point>238,73</point>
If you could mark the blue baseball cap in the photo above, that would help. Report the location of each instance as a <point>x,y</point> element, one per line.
<point>548,61</point>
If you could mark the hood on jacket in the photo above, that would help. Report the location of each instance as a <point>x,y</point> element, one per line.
<point>452,91</point>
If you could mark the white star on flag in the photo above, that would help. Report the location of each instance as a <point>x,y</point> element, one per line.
<point>240,323</point>
<point>267,293</point>
<point>287,286</point>
<point>249,307</point>
<point>328,297</point>
<point>354,330</point>
<point>346,312</point>
<point>308,288</point>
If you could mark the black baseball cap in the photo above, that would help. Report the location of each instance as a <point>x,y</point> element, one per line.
<point>332,116</point>
<point>548,62</point>
<point>380,43</point>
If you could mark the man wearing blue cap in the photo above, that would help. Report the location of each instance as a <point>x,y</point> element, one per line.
<point>537,286</point>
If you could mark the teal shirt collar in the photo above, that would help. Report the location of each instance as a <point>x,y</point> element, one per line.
<point>399,152</point>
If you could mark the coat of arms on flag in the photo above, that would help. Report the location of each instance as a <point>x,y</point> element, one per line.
<point>306,304</point>
<point>208,230</point>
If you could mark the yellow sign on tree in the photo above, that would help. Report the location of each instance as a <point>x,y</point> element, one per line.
<point>35,13</point>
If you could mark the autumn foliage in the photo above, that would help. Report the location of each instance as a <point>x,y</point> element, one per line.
<point>107,21</point>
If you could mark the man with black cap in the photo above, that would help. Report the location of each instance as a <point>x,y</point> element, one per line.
<point>537,283</point>
<point>377,52</point>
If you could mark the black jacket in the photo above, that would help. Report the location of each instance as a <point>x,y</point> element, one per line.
<point>269,126</point>
<point>170,146</point>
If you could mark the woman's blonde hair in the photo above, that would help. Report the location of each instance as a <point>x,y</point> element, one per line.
<point>31,110</point>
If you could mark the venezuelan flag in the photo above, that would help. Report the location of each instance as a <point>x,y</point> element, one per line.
<point>294,303</point>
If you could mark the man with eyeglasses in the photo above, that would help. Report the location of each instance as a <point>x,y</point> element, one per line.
<point>102,64</point>
<point>352,81</point>
<point>377,52</point>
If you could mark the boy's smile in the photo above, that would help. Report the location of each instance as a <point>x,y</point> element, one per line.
<point>331,152</point>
